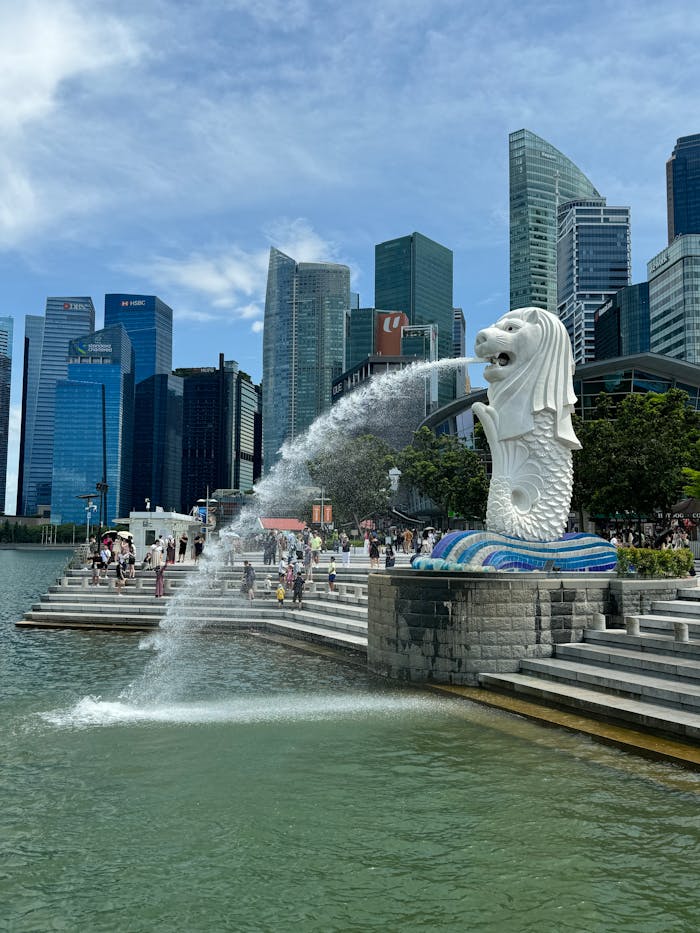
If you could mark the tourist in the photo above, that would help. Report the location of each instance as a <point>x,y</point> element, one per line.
<point>131,560</point>
<point>298,591</point>
<point>389,556</point>
<point>289,576</point>
<point>170,550</point>
<point>182,548</point>
<point>282,569</point>
<point>280,595</point>
<point>374,553</point>
<point>156,554</point>
<point>147,561</point>
<point>267,586</point>
<point>345,549</point>
<point>160,581</point>
<point>248,584</point>
<point>308,562</point>
<point>198,547</point>
<point>407,541</point>
<point>316,545</point>
<point>331,575</point>
<point>121,575</point>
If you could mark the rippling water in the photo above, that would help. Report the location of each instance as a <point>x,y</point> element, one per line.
<point>275,791</point>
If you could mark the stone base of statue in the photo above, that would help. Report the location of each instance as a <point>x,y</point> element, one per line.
<point>486,550</point>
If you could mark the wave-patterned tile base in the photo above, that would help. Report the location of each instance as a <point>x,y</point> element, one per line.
<point>486,550</point>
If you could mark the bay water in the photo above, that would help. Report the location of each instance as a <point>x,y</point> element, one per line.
<point>248,787</point>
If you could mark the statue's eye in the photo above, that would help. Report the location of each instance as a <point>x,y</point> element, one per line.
<point>510,328</point>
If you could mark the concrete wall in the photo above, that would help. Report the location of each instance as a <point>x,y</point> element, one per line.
<point>450,627</point>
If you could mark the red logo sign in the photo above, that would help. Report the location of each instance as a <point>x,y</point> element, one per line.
<point>388,336</point>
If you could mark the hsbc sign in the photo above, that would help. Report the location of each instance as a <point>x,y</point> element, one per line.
<point>140,303</point>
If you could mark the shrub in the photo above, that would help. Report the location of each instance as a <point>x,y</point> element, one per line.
<point>648,563</point>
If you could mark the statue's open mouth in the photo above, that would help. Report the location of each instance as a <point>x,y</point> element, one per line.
<point>501,360</point>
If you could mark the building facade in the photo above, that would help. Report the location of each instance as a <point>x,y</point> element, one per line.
<point>221,431</point>
<point>622,323</point>
<point>674,299</point>
<point>46,357</point>
<point>414,274</point>
<point>683,187</point>
<point>149,323</point>
<point>6,333</point>
<point>157,466</point>
<point>593,262</point>
<point>303,345</point>
<point>95,412</point>
<point>541,179</point>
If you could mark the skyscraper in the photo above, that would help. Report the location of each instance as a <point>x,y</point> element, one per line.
<point>541,179</point>
<point>674,299</point>
<point>413,274</point>
<point>593,262</point>
<point>6,330</point>
<point>303,341</point>
<point>65,320</point>
<point>149,323</point>
<point>95,412</point>
<point>221,430</point>
<point>622,323</point>
<point>459,349</point>
<point>683,187</point>
<point>157,470</point>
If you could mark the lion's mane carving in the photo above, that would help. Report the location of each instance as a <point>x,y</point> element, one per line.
<point>528,423</point>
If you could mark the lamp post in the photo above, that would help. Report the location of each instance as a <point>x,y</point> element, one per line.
<point>89,509</point>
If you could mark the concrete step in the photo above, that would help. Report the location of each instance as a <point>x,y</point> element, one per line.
<point>620,658</point>
<point>652,622</point>
<point>307,616</point>
<point>652,642</point>
<point>592,702</point>
<point>676,607</point>
<point>638,685</point>
<point>343,605</point>
<point>317,633</point>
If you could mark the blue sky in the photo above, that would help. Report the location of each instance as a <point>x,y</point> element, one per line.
<point>162,147</point>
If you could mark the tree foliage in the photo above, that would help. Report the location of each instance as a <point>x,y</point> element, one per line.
<point>634,453</point>
<point>444,469</point>
<point>355,477</point>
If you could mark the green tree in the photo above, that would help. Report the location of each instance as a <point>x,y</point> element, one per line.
<point>444,469</point>
<point>355,477</point>
<point>634,453</point>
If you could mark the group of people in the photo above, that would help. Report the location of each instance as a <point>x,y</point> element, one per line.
<point>117,551</point>
<point>663,537</point>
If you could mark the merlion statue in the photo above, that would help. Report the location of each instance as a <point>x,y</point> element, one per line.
<point>528,423</point>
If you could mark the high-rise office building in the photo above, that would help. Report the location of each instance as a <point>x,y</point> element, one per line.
<point>370,332</point>
<point>303,340</point>
<point>46,356</point>
<point>6,331</point>
<point>459,349</point>
<point>541,180</point>
<point>683,187</point>
<point>674,299</point>
<point>222,437</point>
<point>149,323</point>
<point>94,439</point>
<point>622,323</point>
<point>413,274</point>
<point>157,470</point>
<point>593,262</point>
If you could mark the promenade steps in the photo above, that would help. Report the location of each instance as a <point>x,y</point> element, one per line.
<point>650,679</point>
<point>214,605</point>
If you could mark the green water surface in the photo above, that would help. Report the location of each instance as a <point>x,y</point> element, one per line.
<point>239,786</point>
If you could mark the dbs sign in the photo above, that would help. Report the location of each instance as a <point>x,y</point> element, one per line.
<point>388,336</point>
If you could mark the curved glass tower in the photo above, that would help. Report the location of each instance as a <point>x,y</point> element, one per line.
<point>303,345</point>
<point>541,180</point>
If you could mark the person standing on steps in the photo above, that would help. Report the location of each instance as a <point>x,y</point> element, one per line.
<point>298,591</point>
<point>160,580</point>
<point>331,575</point>
<point>248,585</point>
<point>182,548</point>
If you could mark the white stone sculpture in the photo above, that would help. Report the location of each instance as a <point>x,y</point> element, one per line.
<point>528,423</point>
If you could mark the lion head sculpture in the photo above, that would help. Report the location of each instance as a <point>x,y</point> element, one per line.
<point>530,369</point>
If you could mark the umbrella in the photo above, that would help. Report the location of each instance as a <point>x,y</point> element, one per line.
<point>112,531</point>
<point>124,534</point>
<point>686,508</point>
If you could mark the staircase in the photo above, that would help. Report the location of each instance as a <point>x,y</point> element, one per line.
<point>647,675</point>
<point>338,619</point>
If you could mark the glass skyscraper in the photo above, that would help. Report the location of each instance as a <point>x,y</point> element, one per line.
<point>413,274</point>
<point>221,431</point>
<point>149,323</point>
<point>541,180</point>
<point>303,345</point>
<point>6,331</point>
<point>94,425</point>
<point>157,470</point>
<point>593,262</point>
<point>46,362</point>
<point>674,299</point>
<point>622,323</point>
<point>683,187</point>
